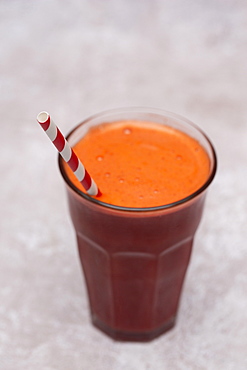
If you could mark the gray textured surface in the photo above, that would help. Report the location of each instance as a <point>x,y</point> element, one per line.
<point>75,58</point>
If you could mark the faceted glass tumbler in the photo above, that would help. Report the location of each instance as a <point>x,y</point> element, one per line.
<point>135,259</point>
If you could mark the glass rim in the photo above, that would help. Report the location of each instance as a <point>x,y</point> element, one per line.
<point>149,110</point>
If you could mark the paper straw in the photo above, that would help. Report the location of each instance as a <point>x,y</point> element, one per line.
<point>67,153</point>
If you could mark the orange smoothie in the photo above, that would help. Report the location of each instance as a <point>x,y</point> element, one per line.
<point>142,164</point>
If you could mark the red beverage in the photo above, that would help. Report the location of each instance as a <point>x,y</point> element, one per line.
<point>135,252</point>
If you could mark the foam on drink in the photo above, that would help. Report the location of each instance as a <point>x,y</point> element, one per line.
<point>142,164</point>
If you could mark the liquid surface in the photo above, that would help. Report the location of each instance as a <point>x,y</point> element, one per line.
<point>141,164</point>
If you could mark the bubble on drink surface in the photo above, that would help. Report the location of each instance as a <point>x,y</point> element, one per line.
<point>156,191</point>
<point>127,131</point>
<point>179,157</point>
<point>107,174</point>
<point>100,158</point>
<point>121,181</point>
<point>141,197</point>
<point>137,179</point>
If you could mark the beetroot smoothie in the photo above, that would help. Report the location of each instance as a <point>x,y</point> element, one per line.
<point>135,240</point>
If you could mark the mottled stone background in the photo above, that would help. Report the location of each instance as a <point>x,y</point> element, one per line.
<point>75,58</point>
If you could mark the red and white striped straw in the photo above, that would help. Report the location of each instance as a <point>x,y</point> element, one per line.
<point>67,153</point>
